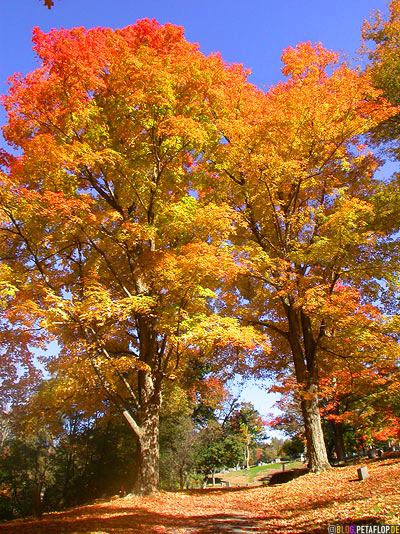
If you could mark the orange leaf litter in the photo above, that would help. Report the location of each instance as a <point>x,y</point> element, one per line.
<point>306,504</point>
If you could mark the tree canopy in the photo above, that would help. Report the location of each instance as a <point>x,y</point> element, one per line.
<point>163,217</point>
<point>113,249</point>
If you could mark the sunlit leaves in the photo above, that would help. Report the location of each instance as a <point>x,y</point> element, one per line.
<point>105,215</point>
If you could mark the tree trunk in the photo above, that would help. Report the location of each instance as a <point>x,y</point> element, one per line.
<point>337,429</point>
<point>304,350</point>
<point>316,449</point>
<point>247,456</point>
<point>36,501</point>
<point>147,468</point>
<point>181,478</point>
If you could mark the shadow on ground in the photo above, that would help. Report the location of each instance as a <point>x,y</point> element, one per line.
<point>137,521</point>
<point>283,476</point>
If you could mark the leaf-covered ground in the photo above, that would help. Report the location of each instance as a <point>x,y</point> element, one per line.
<point>306,504</point>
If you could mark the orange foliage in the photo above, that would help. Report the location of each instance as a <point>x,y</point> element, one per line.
<point>308,504</point>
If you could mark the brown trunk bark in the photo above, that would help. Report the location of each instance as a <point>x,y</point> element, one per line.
<point>36,502</point>
<point>338,441</point>
<point>147,469</point>
<point>316,449</point>
<point>304,351</point>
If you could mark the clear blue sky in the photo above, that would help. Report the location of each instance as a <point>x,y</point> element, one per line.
<point>252,32</point>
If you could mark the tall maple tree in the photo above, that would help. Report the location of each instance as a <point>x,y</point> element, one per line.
<point>114,252</point>
<point>384,65</point>
<point>294,169</point>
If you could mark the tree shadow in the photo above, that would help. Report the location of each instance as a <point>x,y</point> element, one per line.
<point>136,521</point>
<point>98,519</point>
<point>212,490</point>
<point>286,476</point>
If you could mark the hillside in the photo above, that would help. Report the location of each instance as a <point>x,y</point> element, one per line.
<point>308,504</point>
<point>256,476</point>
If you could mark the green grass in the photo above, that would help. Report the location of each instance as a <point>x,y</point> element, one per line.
<point>247,476</point>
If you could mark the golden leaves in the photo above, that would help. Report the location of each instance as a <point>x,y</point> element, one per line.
<point>215,330</point>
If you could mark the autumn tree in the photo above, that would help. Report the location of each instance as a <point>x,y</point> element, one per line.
<point>360,403</point>
<point>294,169</point>
<point>381,47</point>
<point>110,245</point>
<point>246,423</point>
<point>381,36</point>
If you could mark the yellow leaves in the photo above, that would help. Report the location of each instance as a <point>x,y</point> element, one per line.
<point>350,213</point>
<point>191,219</point>
<point>83,154</point>
<point>220,331</point>
<point>7,284</point>
<point>181,127</point>
<point>98,307</point>
<point>205,292</point>
<point>131,232</point>
<point>314,299</point>
<point>121,364</point>
<point>136,304</point>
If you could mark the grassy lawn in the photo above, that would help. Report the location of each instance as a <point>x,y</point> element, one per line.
<point>247,476</point>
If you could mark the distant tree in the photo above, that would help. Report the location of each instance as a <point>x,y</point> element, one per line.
<point>218,449</point>
<point>292,448</point>
<point>272,449</point>
<point>246,423</point>
<point>27,463</point>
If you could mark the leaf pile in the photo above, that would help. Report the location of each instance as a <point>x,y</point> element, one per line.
<point>306,504</point>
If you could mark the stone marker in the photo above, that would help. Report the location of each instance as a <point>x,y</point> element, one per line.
<point>228,484</point>
<point>362,473</point>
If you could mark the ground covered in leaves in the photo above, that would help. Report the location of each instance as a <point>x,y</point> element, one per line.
<point>308,504</point>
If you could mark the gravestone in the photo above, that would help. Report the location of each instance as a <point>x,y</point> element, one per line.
<point>362,473</point>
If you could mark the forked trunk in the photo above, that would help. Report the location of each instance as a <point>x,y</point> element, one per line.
<point>304,349</point>
<point>145,424</point>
